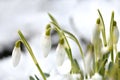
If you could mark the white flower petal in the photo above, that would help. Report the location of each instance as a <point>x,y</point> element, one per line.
<point>16,54</point>
<point>115,35</point>
<point>96,76</point>
<point>96,34</point>
<point>104,49</point>
<point>60,52</point>
<point>46,45</point>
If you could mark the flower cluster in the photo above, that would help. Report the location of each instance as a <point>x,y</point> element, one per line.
<point>102,59</point>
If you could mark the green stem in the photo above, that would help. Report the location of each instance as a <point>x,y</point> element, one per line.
<point>31,53</point>
<point>17,44</point>
<point>114,52</point>
<point>103,30</point>
<point>61,34</point>
<point>95,53</point>
<point>111,36</point>
<point>112,55</point>
<point>67,47</point>
<point>71,36</point>
<point>102,64</point>
<point>111,27</point>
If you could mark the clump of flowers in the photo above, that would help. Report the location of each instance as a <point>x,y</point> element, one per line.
<point>99,52</point>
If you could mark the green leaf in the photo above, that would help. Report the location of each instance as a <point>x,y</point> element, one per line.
<point>69,54</point>
<point>111,25</point>
<point>61,34</point>
<point>102,66</point>
<point>71,36</point>
<point>117,60</point>
<point>31,53</point>
<point>75,67</point>
<point>111,64</point>
<point>52,18</point>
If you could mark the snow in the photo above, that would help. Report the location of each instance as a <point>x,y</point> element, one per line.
<point>30,16</point>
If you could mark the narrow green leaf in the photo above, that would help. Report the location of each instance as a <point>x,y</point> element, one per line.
<point>110,66</point>
<point>31,53</point>
<point>102,66</point>
<point>76,41</point>
<point>75,67</point>
<point>117,60</point>
<point>111,25</point>
<point>52,18</point>
<point>61,34</point>
<point>69,54</point>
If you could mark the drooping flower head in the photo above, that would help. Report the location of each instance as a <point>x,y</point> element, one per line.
<point>60,52</point>
<point>115,33</point>
<point>46,41</point>
<point>16,54</point>
<point>96,31</point>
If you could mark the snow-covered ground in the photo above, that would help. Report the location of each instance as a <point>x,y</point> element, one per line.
<point>30,16</point>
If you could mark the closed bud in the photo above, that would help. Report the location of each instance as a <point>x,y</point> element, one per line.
<point>60,52</point>
<point>46,41</point>
<point>16,54</point>
<point>96,32</point>
<point>46,44</point>
<point>115,33</point>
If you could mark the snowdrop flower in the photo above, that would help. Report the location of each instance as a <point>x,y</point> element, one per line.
<point>96,31</point>
<point>115,33</point>
<point>16,54</point>
<point>60,53</point>
<point>104,50</point>
<point>46,41</point>
<point>96,76</point>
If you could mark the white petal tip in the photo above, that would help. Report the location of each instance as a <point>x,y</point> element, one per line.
<point>16,54</point>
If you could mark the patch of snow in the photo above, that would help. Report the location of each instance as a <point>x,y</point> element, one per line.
<point>30,16</point>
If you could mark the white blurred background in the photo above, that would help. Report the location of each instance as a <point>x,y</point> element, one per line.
<point>31,17</point>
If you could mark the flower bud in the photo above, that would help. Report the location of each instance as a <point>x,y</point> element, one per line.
<point>60,52</point>
<point>16,54</point>
<point>115,33</point>
<point>96,31</point>
<point>46,45</point>
<point>46,42</point>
